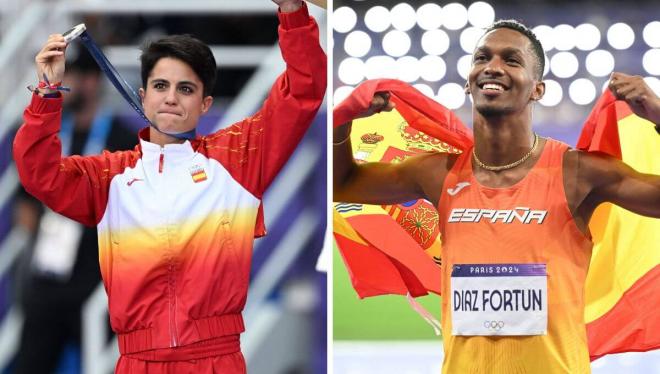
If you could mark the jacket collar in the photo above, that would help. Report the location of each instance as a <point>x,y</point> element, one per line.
<point>178,150</point>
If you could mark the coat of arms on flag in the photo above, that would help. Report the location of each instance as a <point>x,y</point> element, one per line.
<point>395,249</point>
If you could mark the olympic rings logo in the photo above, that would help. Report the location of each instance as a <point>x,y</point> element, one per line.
<point>494,325</point>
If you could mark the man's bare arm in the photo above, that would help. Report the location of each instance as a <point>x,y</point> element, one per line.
<point>386,183</point>
<point>611,180</point>
<point>591,179</point>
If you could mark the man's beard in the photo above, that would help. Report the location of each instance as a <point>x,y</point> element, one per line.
<point>493,110</point>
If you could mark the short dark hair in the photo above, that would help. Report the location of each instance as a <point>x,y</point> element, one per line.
<point>537,48</point>
<point>186,48</point>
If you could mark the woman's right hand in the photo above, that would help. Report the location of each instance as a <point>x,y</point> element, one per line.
<point>50,59</point>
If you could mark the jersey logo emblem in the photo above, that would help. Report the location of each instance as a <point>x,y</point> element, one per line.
<point>130,183</point>
<point>198,174</point>
<point>458,188</point>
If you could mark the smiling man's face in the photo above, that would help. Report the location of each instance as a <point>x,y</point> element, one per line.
<point>502,79</point>
<point>173,98</point>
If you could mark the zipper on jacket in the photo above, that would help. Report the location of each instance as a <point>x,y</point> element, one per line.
<point>174,341</point>
<point>161,160</point>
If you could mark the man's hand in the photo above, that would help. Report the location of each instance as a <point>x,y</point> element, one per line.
<point>639,96</point>
<point>379,103</point>
<point>288,6</point>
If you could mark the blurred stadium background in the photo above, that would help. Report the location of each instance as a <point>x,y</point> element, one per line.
<point>429,45</point>
<point>286,311</point>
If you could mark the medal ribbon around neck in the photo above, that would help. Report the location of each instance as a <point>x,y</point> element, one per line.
<point>120,83</point>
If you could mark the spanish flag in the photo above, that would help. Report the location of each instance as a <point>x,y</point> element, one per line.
<point>198,174</point>
<point>623,283</point>
<point>394,249</point>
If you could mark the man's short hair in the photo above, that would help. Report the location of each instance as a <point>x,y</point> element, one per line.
<point>186,48</point>
<point>537,48</point>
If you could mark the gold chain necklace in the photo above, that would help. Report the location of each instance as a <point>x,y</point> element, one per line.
<point>508,166</point>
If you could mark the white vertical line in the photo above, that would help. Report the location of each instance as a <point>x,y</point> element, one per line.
<point>8,183</point>
<point>96,356</point>
<point>279,261</point>
<point>10,331</point>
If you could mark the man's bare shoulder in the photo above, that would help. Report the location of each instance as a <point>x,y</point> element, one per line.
<point>586,171</point>
<point>586,163</point>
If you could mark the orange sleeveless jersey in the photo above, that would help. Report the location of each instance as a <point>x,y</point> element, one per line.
<point>510,238</point>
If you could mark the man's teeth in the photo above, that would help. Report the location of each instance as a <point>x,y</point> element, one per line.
<point>493,86</point>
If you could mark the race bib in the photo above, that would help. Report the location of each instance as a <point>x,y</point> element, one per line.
<point>499,299</point>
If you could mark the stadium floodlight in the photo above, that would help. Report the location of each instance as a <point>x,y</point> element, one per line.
<point>403,17</point>
<point>651,61</point>
<point>587,37</point>
<point>432,68</point>
<point>451,95</point>
<point>429,16</point>
<point>377,19</point>
<point>454,16</point>
<point>344,19</point>
<point>563,37</point>
<point>351,71</point>
<point>553,93</point>
<point>480,14</point>
<point>582,91</point>
<point>396,43</point>
<point>377,67</point>
<point>654,83</point>
<point>408,69</point>
<point>341,93</point>
<point>435,42</point>
<point>599,63</point>
<point>545,35</point>
<point>651,34</point>
<point>464,65</point>
<point>469,38</point>
<point>357,44</point>
<point>425,89</point>
<point>564,64</point>
<point>606,85</point>
<point>620,36</point>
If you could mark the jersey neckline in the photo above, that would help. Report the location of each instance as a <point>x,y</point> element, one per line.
<point>544,154</point>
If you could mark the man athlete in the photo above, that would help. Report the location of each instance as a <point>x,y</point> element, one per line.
<point>515,199</point>
<point>176,218</point>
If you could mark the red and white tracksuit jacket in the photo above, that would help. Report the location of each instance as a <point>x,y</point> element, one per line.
<point>176,223</point>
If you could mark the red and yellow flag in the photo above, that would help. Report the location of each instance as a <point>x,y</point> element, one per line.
<point>394,249</point>
<point>623,283</point>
